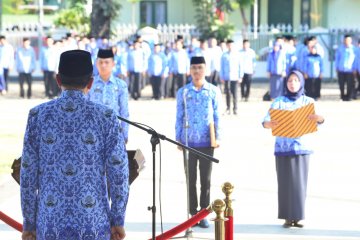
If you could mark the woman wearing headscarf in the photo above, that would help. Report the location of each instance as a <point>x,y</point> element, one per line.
<point>292,154</point>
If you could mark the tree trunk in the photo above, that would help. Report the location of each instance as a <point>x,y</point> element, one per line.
<point>100,24</point>
<point>245,23</point>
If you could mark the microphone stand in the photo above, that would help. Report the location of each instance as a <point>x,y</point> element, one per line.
<point>155,139</point>
<point>188,232</point>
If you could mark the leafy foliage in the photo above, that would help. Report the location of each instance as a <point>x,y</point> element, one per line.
<point>231,5</point>
<point>12,7</point>
<point>74,18</point>
<point>208,23</point>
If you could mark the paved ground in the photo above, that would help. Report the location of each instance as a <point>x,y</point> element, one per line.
<point>246,160</point>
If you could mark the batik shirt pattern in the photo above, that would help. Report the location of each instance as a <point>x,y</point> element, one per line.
<point>199,108</point>
<point>114,94</point>
<point>72,147</point>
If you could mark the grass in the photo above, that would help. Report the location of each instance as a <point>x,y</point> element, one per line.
<point>11,149</point>
<point>11,139</point>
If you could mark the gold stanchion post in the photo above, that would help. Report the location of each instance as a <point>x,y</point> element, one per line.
<point>227,189</point>
<point>218,207</point>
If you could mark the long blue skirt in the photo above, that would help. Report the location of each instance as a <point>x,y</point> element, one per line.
<point>276,86</point>
<point>2,83</point>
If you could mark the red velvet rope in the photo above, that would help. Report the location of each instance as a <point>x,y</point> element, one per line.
<point>185,225</point>
<point>229,228</point>
<point>11,222</point>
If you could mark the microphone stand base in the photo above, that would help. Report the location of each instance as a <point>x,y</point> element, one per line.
<point>188,234</point>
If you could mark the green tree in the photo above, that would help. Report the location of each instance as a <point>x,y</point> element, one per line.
<point>242,5</point>
<point>74,18</point>
<point>12,7</point>
<point>208,23</point>
<point>103,12</point>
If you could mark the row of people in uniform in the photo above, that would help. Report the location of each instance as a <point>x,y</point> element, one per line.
<point>165,68</point>
<point>308,58</point>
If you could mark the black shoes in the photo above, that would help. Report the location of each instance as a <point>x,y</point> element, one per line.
<point>297,224</point>
<point>287,224</point>
<point>292,223</point>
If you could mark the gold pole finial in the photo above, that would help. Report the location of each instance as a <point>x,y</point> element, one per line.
<point>227,189</point>
<point>219,206</point>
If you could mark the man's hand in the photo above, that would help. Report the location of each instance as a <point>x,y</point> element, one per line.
<point>27,235</point>
<point>117,233</point>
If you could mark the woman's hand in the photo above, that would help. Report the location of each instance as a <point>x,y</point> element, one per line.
<point>316,118</point>
<point>270,124</point>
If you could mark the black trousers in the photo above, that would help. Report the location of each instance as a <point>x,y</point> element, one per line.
<point>346,78</point>
<point>6,77</point>
<point>179,80</point>
<point>313,87</point>
<point>51,87</point>
<point>169,88</point>
<point>156,83</point>
<point>25,77</point>
<point>231,87</point>
<point>205,169</point>
<point>135,84</point>
<point>357,88</point>
<point>214,78</point>
<point>245,86</point>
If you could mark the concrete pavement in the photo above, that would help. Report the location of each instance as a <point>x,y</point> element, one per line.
<point>246,160</point>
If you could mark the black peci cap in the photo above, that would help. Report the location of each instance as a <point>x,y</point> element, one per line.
<point>105,53</point>
<point>197,60</point>
<point>75,64</point>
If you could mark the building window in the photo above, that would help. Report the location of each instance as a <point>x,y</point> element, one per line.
<point>153,13</point>
<point>280,12</point>
<point>305,12</point>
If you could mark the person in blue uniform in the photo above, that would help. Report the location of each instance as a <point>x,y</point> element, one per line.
<point>6,58</point>
<point>157,71</point>
<point>137,66</point>
<point>346,68</point>
<point>248,58</point>
<point>178,67</point>
<point>110,90</point>
<point>71,147</point>
<point>276,68</point>
<point>292,154</point>
<point>313,71</point>
<point>25,66</point>
<point>231,75</point>
<point>198,104</point>
<point>48,64</point>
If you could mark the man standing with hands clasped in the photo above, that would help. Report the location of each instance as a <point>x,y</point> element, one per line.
<point>197,124</point>
<point>71,147</point>
<point>110,90</point>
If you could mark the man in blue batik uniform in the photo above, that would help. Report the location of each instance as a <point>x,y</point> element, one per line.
<point>198,104</point>
<point>71,147</point>
<point>110,90</point>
